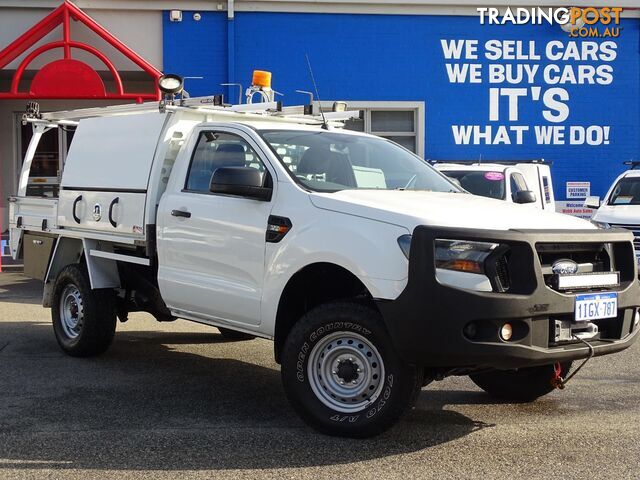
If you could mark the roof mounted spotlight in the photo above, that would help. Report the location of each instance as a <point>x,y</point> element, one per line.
<point>339,106</point>
<point>171,84</point>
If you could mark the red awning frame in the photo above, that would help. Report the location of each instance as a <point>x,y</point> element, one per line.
<point>53,80</point>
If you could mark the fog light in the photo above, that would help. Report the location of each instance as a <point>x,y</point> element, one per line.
<point>470,331</point>
<point>506,332</point>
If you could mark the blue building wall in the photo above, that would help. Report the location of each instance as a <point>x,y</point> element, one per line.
<point>197,49</point>
<point>396,57</point>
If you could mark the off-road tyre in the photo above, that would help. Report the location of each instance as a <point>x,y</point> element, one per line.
<point>95,314</point>
<point>522,385</point>
<point>360,343</point>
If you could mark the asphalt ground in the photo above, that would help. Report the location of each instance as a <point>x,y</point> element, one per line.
<point>175,400</point>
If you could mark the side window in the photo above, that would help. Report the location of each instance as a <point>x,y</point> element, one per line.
<point>517,183</point>
<point>219,149</point>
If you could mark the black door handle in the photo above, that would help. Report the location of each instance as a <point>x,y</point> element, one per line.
<point>75,204</point>
<point>113,204</point>
<point>181,213</point>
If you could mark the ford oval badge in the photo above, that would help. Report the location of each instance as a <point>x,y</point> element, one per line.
<point>564,267</point>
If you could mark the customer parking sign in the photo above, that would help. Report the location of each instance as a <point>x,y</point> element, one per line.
<point>578,189</point>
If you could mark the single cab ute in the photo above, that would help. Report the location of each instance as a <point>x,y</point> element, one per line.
<point>372,272</point>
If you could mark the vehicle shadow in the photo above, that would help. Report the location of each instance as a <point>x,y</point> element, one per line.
<point>16,288</point>
<point>148,404</point>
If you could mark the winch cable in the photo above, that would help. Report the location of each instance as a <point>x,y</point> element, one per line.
<point>557,381</point>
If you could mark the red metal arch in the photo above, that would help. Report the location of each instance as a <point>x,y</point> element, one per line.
<point>50,46</point>
<point>86,80</point>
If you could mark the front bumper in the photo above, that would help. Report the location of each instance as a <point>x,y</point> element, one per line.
<point>427,321</point>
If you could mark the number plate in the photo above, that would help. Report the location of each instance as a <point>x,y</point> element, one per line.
<point>595,306</point>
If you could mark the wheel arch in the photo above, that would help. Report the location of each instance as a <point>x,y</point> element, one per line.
<point>308,288</point>
<point>102,272</point>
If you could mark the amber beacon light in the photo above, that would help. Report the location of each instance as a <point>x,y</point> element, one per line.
<point>261,78</point>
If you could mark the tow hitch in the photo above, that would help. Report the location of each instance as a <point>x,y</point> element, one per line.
<point>557,381</point>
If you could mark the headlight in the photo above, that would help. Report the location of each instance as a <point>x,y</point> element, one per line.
<point>404,242</point>
<point>462,255</point>
<point>603,225</point>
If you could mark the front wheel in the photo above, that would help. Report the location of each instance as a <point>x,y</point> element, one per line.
<point>522,385</point>
<point>342,374</point>
<point>84,320</point>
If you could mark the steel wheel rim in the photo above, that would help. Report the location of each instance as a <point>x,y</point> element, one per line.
<point>346,372</point>
<point>71,311</point>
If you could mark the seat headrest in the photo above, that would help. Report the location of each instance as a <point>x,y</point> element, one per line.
<point>230,148</point>
<point>315,161</point>
<point>230,155</point>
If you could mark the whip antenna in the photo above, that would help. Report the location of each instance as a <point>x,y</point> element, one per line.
<point>325,125</point>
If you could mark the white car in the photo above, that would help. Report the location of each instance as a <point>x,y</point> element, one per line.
<point>372,272</point>
<point>527,183</point>
<point>620,208</point>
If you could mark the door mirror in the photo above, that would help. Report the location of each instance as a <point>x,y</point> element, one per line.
<point>592,202</point>
<point>524,196</point>
<point>240,181</point>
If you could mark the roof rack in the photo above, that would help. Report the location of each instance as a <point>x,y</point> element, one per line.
<point>176,99</point>
<point>632,163</point>
<point>537,161</point>
<point>305,114</point>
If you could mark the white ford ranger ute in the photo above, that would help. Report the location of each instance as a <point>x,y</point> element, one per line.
<point>372,273</point>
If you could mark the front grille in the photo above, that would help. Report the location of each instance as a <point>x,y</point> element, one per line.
<point>502,273</point>
<point>590,257</point>
<point>635,229</point>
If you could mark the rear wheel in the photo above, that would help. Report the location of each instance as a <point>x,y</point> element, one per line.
<point>84,320</point>
<point>522,385</point>
<point>342,374</point>
<point>229,334</point>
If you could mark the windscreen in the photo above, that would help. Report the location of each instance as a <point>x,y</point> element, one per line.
<point>485,184</point>
<point>330,161</point>
<point>626,192</point>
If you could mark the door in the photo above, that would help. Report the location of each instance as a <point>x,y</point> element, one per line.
<point>211,246</point>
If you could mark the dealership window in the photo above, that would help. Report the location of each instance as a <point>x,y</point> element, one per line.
<point>401,122</point>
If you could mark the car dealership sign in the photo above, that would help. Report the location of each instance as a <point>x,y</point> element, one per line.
<point>513,78</point>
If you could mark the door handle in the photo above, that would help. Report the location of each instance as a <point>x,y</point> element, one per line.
<point>75,204</point>
<point>113,204</point>
<point>181,213</point>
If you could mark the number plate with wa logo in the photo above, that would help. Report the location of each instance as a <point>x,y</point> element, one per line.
<point>594,306</point>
